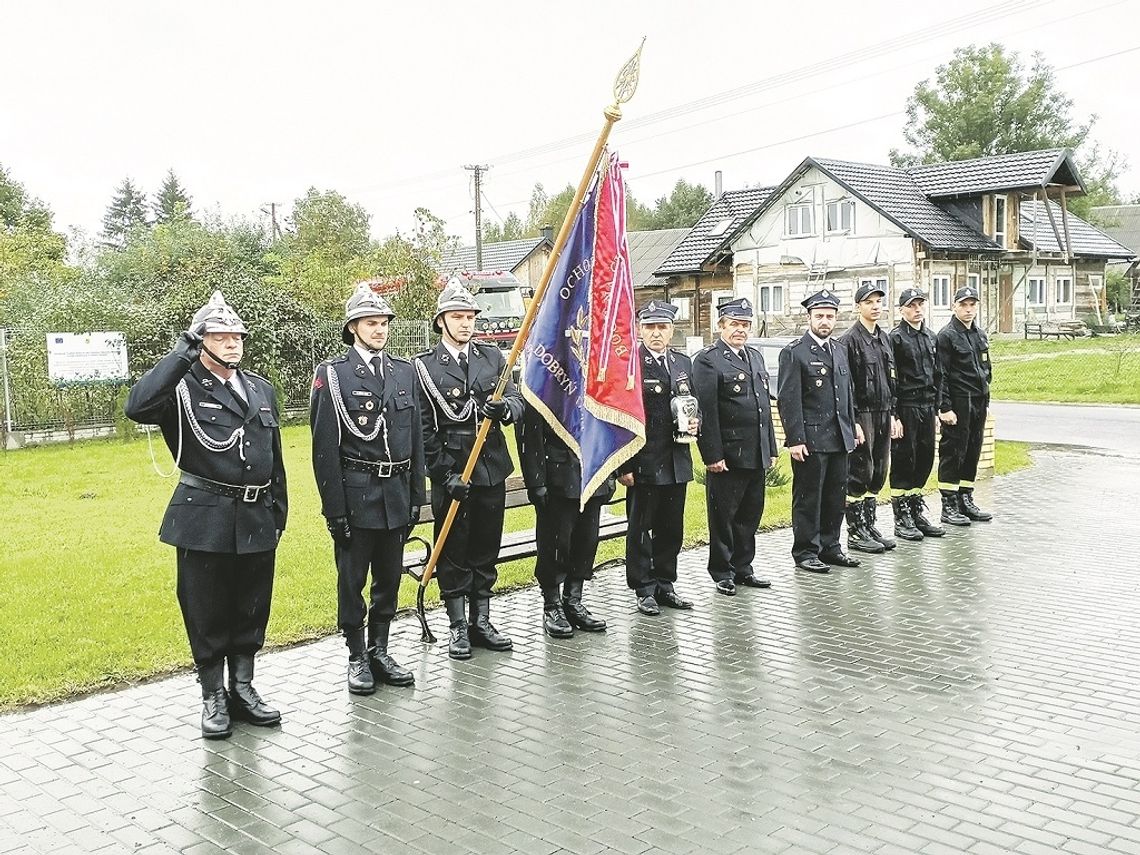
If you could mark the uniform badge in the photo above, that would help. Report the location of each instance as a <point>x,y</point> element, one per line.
<point>818,382</point>
<point>370,405</point>
<point>362,420</point>
<point>657,389</point>
<point>444,359</point>
<point>739,376</point>
<point>649,360</point>
<point>823,370</point>
<point>455,393</point>
<point>683,387</point>
<point>736,388</point>
<point>207,382</point>
<point>210,405</point>
<point>360,370</point>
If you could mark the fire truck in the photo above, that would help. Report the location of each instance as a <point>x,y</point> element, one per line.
<point>502,298</point>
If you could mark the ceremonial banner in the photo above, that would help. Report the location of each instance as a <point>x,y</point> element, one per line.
<point>580,370</point>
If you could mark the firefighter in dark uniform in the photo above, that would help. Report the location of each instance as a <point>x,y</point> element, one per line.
<point>368,458</point>
<point>918,377</point>
<point>457,378</point>
<point>657,477</point>
<point>872,366</point>
<point>737,444</point>
<point>567,538</point>
<point>964,397</point>
<point>228,510</point>
<point>816,402</point>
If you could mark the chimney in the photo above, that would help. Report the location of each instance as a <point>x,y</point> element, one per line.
<point>718,184</point>
<point>548,232</point>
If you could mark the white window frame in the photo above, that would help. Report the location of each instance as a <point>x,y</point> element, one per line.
<point>1067,280</point>
<point>1000,223</point>
<point>940,290</point>
<point>799,208</point>
<point>974,280</point>
<point>716,300</point>
<point>683,305</point>
<point>839,206</point>
<point>876,282</point>
<point>1036,286</point>
<point>764,294</point>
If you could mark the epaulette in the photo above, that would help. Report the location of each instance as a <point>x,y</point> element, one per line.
<point>708,347</point>
<point>255,374</point>
<point>423,353</point>
<point>399,359</point>
<point>792,344</point>
<point>479,343</point>
<point>342,358</point>
<point>678,351</point>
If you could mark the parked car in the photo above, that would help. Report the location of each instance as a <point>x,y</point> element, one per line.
<point>770,349</point>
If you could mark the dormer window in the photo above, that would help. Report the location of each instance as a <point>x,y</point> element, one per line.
<point>999,221</point>
<point>840,216</point>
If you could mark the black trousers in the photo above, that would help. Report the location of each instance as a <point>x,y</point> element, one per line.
<point>818,485</point>
<point>467,565</point>
<point>382,550</point>
<point>867,464</point>
<point>912,457</point>
<point>960,445</point>
<point>567,540</point>
<point>225,601</point>
<point>735,504</point>
<point>656,514</point>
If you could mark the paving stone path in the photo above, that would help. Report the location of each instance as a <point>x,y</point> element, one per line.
<point>976,694</point>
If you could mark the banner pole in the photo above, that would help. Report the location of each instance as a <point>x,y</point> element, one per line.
<point>624,87</point>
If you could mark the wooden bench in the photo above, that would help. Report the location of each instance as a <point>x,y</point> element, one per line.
<point>1042,331</point>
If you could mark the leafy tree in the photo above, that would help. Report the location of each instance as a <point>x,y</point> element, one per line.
<point>415,259</point>
<point>512,228</point>
<point>126,213</point>
<point>17,208</point>
<point>682,208</point>
<point>172,201</point>
<point>1100,168</point>
<point>985,102</point>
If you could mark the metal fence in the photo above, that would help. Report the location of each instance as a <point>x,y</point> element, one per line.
<point>34,405</point>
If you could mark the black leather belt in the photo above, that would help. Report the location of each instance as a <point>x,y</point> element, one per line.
<point>246,492</point>
<point>380,468</point>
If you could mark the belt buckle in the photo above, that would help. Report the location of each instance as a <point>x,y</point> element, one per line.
<point>384,469</point>
<point>249,493</point>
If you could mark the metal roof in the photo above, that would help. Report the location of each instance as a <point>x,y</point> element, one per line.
<point>1086,239</point>
<point>504,255</point>
<point>1018,171</point>
<point>647,251</point>
<point>713,231</point>
<point>1121,223</point>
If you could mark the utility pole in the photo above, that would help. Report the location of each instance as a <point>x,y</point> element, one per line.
<point>272,214</point>
<point>478,169</point>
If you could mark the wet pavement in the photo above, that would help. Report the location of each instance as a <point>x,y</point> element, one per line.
<point>975,694</point>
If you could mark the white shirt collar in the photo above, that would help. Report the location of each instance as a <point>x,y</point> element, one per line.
<point>456,351</point>
<point>822,342</point>
<point>234,383</point>
<point>367,355</point>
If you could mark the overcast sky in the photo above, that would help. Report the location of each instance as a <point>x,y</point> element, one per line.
<point>254,102</point>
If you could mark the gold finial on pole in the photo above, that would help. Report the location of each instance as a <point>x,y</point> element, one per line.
<point>625,84</point>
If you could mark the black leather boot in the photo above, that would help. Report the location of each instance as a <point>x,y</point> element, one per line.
<point>904,521</point>
<point>245,703</point>
<point>858,538</point>
<point>870,508</point>
<point>384,668</point>
<point>483,634</point>
<point>459,644</point>
<point>360,680</point>
<point>578,615</point>
<point>554,621</point>
<point>969,509</point>
<point>215,710</point>
<point>950,512</point>
<point>921,521</point>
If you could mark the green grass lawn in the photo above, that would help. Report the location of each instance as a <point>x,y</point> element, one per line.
<point>1100,370</point>
<point>87,591</point>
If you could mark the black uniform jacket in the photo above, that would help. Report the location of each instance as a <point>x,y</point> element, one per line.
<point>448,436</point>
<point>872,364</point>
<point>548,462</point>
<point>197,519</point>
<point>815,400</point>
<point>736,408</point>
<point>368,500</point>
<point>661,460</point>
<point>964,355</point>
<point>918,374</point>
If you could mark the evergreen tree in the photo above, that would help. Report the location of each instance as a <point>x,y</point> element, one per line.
<point>126,212</point>
<point>172,201</point>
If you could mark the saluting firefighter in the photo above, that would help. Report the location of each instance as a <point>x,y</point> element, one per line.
<point>228,510</point>
<point>964,397</point>
<point>458,377</point>
<point>872,364</point>
<point>818,414</point>
<point>737,444</point>
<point>918,377</point>
<point>368,458</point>
<point>566,537</point>
<point>657,477</point>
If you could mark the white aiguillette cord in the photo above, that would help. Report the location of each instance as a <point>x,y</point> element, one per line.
<point>214,445</point>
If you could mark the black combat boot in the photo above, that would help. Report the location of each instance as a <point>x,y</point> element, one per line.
<point>384,668</point>
<point>483,634</point>
<point>870,507</point>
<point>921,521</point>
<point>554,621</point>
<point>969,509</point>
<point>950,512</point>
<point>904,520</point>
<point>578,615</point>
<point>459,644</point>
<point>360,680</point>
<point>858,538</point>
<point>215,712</point>
<point>245,703</point>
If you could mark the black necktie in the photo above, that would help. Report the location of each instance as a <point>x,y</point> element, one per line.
<point>377,362</point>
<point>463,363</point>
<point>238,399</point>
<point>664,365</point>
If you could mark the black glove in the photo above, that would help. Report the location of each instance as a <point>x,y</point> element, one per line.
<point>536,496</point>
<point>456,487</point>
<point>339,528</point>
<point>414,516</point>
<point>189,343</point>
<point>499,411</point>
